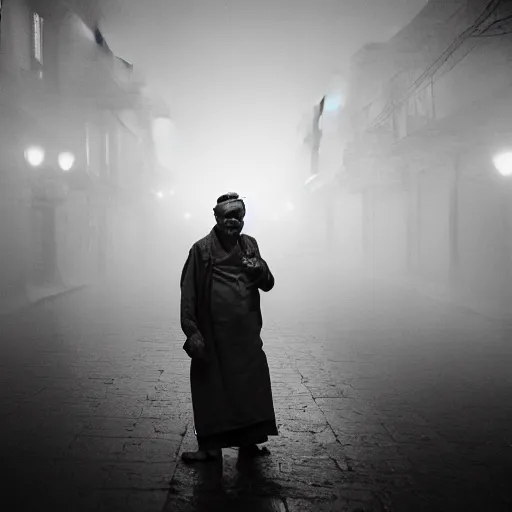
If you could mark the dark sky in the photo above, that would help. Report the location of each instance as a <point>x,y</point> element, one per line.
<point>239,75</point>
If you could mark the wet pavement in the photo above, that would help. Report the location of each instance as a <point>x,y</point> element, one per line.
<point>385,401</point>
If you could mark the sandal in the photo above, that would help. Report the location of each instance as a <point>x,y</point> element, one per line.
<point>201,456</point>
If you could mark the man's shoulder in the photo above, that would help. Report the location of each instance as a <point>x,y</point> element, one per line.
<point>249,237</point>
<point>202,244</point>
<point>249,240</point>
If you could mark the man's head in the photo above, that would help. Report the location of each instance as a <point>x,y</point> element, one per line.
<point>229,214</point>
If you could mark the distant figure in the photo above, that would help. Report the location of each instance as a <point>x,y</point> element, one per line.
<point>221,317</point>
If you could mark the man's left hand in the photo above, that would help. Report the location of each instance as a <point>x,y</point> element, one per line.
<point>254,265</point>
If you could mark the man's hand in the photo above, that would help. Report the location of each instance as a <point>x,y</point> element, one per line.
<point>196,348</point>
<point>254,265</point>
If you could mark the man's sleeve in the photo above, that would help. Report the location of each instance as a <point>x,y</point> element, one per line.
<point>266,283</point>
<point>188,306</point>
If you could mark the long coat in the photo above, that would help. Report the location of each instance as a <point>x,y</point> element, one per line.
<point>214,412</point>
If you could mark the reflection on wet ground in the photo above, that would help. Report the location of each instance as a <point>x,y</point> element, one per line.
<point>231,484</point>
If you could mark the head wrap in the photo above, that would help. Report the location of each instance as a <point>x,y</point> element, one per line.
<point>227,203</point>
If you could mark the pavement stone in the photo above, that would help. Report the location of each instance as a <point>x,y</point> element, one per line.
<point>385,401</point>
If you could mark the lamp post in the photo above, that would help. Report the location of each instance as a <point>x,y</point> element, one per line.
<point>48,190</point>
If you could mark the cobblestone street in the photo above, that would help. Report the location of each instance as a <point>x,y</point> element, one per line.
<point>385,400</point>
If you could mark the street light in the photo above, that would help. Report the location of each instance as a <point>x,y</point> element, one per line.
<point>333,102</point>
<point>66,160</point>
<point>503,163</point>
<point>34,155</point>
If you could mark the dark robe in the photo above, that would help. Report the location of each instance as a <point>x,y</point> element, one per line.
<point>231,391</point>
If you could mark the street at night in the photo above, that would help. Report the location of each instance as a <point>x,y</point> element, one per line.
<point>256,256</point>
<point>385,400</point>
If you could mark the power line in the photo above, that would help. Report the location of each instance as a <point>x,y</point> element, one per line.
<point>459,41</point>
<point>496,22</point>
<point>496,34</point>
<point>486,14</point>
<point>388,110</point>
<point>460,60</point>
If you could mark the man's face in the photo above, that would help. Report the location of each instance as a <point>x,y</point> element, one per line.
<point>232,222</point>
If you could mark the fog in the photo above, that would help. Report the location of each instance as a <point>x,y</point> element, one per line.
<point>239,77</point>
<point>291,232</point>
<point>241,81</point>
<point>371,143</point>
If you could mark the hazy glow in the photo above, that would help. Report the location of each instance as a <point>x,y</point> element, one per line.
<point>333,102</point>
<point>187,216</point>
<point>34,156</point>
<point>160,194</point>
<point>66,160</point>
<point>503,163</point>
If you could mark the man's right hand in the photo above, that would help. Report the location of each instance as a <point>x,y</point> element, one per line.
<point>196,347</point>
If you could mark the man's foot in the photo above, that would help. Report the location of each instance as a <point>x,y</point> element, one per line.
<point>253,450</point>
<point>201,456</point>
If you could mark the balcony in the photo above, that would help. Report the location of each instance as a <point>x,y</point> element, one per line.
<point>89,71</point>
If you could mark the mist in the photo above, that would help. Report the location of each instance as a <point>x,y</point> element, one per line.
<point>151,360</point>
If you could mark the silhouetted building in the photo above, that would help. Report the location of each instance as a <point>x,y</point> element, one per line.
<point>67,99</point>
<point>428,110</point>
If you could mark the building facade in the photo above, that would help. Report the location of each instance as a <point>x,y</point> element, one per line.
<point>329,210</point>
<point>428,111</point>
<point>76,135</point>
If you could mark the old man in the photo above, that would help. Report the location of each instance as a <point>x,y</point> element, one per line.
<point>221,318</point>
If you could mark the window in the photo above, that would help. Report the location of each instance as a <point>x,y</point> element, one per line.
<point>37,37</point>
